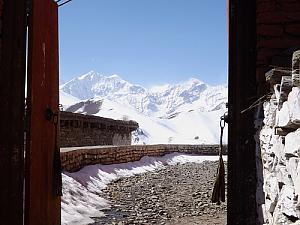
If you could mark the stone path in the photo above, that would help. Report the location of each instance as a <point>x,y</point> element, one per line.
<point>177,195</point>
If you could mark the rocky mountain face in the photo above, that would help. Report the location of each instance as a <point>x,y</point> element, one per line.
<point>159,101</point>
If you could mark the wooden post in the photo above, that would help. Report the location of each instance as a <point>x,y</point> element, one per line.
<point>241,203</point>
<point>12,89</point>
<point>42,201</point>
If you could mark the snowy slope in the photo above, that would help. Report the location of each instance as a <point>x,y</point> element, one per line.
<point>185,113</point>
<point>159,101</point>
<point>188,127</point>
<point>66,99</point>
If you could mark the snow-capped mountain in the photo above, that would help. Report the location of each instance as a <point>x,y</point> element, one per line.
<point>159,101</point>
<point>185,113</point>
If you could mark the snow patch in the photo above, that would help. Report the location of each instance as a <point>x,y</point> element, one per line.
<point>81,201</point>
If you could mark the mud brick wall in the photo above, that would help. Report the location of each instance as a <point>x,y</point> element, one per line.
<point>278,35</point>
<point>73,159</point>
<point>82,130</point>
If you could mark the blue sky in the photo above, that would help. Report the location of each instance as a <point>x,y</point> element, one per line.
<point>146,42</point>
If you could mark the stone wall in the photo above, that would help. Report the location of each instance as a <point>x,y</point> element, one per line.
<point>280,148</point>
<point>83,130</point>
<point>278,35</point>
<point>73,159</point>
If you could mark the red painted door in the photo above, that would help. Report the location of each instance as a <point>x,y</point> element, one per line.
<point>43,177</point>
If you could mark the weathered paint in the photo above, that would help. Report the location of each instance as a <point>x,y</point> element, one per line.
<point>41,200</point>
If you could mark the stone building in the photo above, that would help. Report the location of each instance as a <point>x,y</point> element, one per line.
<point>263,35</point>
<point>86,130</point>
<point>279,146</point>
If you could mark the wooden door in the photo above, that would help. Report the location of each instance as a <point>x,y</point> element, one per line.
<point>43,175</point>
<point>12,89</point>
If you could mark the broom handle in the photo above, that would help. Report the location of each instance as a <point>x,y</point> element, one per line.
<point>222,125</point>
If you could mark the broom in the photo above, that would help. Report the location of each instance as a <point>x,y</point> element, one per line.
<point>218,194</point>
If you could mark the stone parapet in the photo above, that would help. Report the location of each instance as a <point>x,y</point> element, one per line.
<point>73,159</point>
<point>86,130</point>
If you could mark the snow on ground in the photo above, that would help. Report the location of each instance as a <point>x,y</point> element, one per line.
<point>81,202</point>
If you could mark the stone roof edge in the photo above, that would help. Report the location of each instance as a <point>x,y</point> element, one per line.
<point>91,118</point>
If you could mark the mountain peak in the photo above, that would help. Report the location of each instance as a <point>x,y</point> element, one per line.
<point>193,81</point>
<point>114,76</point>
<point>90,75</point>
<point>159,100</point>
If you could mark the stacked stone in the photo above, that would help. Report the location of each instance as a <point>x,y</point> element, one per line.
<point>86,130</point>
<point>280,147</point>
<point>73,159</point>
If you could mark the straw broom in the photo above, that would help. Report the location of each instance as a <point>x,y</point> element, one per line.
<point>218,194</point>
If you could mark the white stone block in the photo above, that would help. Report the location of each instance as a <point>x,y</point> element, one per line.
<point>269,113</point>
<point>267,215</point>
<point>270,207</point>
<point>282,175</point>
<point>297,183</point>
<point>279,218</point>
<point>289,114</point>
<point>265,136</point>
<point>287,201</point>
<point>283,116</point>
<point>278,147</point>
<point>292,144</point>
<point>271,188</point>
<point>294,105</point>
<point>292,164</point>
<point>268,162</point>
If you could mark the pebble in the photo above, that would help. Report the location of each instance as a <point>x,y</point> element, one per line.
<point>176,195</point>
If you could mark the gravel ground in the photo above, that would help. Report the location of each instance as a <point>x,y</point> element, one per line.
<point>176,195</point>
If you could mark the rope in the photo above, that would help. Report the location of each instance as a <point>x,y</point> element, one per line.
<point>218,194</point>
<point>57,177</point>
<point>56,174</point>
<point>257,102</point>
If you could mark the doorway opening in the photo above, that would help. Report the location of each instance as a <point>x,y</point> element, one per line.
<point>144,62</point>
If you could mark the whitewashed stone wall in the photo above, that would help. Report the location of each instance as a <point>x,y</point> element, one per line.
<point>280,155</point>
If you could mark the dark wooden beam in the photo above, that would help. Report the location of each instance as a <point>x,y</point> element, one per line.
<point>42,201</point>
<point>12,89</point>
<point>242,93</point>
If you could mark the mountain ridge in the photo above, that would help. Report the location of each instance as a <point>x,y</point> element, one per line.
<point>159,101</point>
